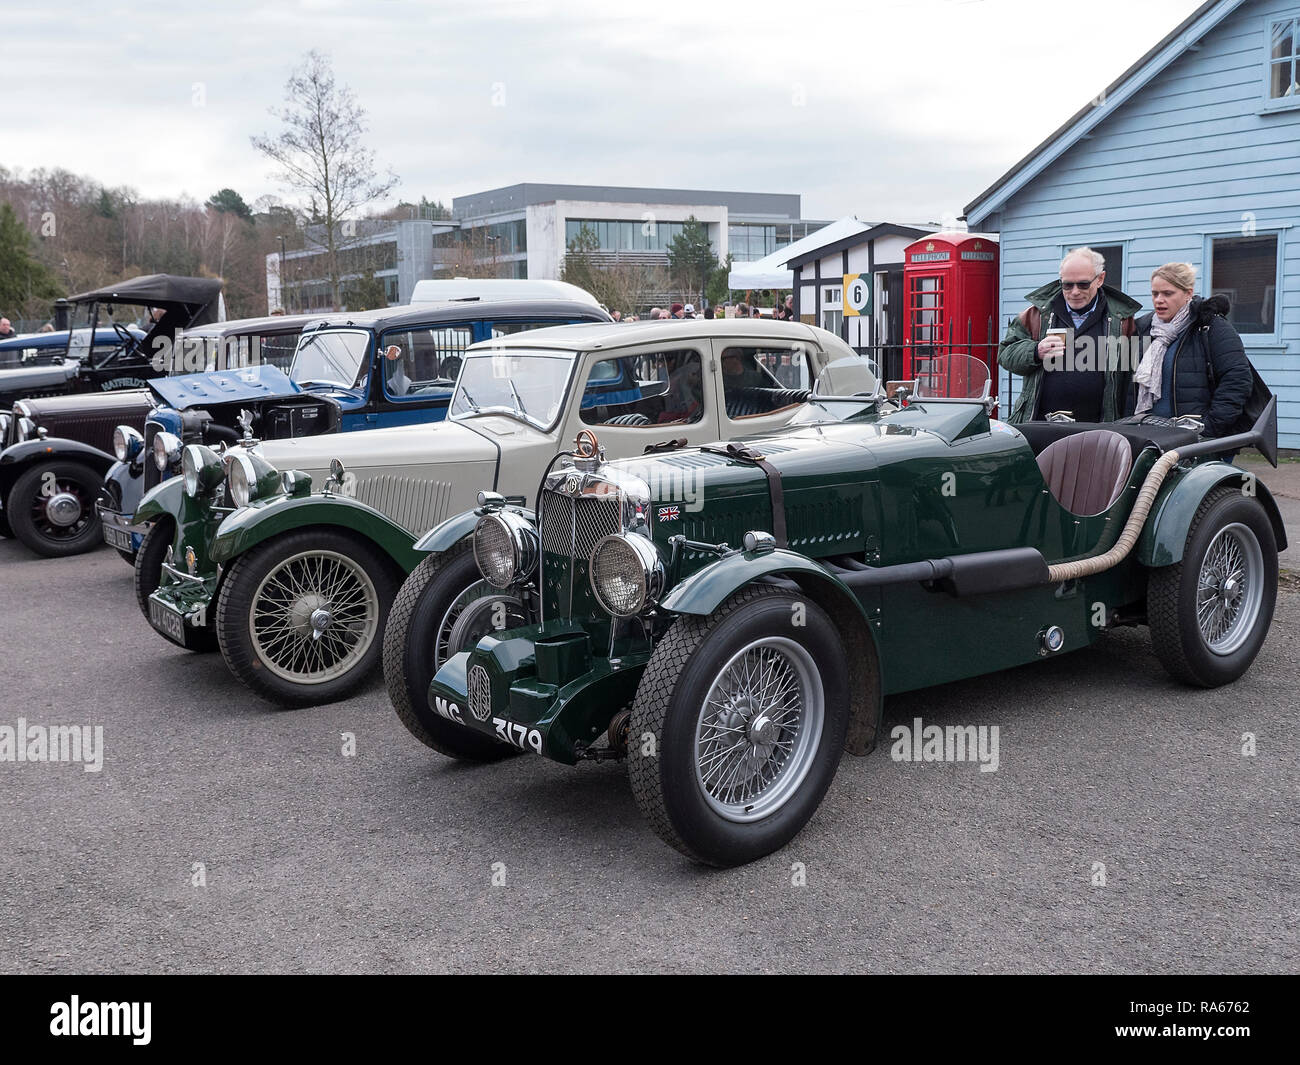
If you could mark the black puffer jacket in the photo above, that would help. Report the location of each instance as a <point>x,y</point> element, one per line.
<point>1211,375</point>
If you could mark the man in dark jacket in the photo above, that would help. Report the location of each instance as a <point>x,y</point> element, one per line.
<point>1209,374</point>
<point>1083,372</point>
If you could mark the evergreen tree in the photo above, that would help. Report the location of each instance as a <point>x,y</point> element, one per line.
<point>27,287</point>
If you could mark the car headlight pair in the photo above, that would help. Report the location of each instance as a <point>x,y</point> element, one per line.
<point>506,547</point>
<point>251,477</point>
<point>626,573</point>
<point>127,443</point>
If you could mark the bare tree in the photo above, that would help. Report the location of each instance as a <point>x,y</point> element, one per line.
<point>320,155</point>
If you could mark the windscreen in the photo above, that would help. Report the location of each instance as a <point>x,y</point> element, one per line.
<point>528,385</point>
<point>331,357</point>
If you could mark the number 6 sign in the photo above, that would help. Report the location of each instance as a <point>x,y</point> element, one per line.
<point>857,295</point>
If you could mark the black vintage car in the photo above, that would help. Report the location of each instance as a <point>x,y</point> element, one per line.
<point>87,365</point>
<point>58,413</point>
<point>58,449</point>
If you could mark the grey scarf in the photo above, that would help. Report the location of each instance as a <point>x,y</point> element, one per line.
<point>1151,368</point>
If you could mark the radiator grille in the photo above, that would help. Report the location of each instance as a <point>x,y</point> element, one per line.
<point>577,525</point>
<point>571,528</point>
<point>152,478</point>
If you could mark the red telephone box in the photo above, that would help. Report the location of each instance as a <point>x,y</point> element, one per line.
<point>950,287</point>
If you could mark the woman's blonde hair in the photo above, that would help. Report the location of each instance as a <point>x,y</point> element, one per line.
<point>1180,275</point>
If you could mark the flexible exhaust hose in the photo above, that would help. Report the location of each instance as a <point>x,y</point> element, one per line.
<point>1085,567</point>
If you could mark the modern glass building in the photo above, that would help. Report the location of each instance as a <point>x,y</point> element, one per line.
<point>526,231</point>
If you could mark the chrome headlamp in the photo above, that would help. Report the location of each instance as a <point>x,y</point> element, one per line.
<point>200,469</point>
<point>5,420</point>
<point>506,547</point>
<point>626,573</point>
<point>251,477</point>
<point>127,443</point>
<point>166,450</point>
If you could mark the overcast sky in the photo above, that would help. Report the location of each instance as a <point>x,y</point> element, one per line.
<point>885,109</point>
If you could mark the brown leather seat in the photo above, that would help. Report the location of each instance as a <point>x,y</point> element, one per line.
<point>1087,471</point>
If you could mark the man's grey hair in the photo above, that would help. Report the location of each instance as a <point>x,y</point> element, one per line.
<point>1095,257</point>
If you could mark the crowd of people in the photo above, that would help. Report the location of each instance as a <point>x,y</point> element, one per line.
<point>783,311</point>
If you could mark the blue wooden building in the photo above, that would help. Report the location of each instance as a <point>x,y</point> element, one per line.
<point>1192,155</point>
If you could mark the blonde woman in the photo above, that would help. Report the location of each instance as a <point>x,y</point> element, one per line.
<point>1196,363</point>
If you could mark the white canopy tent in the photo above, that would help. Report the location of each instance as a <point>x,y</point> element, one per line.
<point>771,271</point>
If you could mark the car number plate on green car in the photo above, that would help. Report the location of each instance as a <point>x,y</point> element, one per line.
<point>115,537</point>
<point>168,621</point>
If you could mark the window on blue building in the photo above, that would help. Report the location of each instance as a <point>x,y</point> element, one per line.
<point>1282,54</point>
<point>1245,270</point>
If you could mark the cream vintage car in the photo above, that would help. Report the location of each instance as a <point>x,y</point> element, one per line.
<point>295,586</point>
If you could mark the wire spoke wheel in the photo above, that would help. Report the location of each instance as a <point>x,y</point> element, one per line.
<point>314,616</point>
<point>1229,588</point>
<point>478,611</point>
<point>758,729</point>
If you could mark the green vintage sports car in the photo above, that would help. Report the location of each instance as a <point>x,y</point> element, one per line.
<point>731,648</point>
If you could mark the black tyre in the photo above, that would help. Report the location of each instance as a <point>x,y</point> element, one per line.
<point>1209,613</point>
<point>300,618</point>
<point>51,508</point>
<point>445,606</point>
<point>738,726</point>
<point>148,575</point>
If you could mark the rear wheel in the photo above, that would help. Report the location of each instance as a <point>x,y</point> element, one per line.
<point>1209,613</point>
<point>148,575</point>
<point>738,726</point>
<point>300,618</point>
<point>444,607</point>
<point>52,509</point>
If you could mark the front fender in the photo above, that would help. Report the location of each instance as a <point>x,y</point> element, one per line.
<point>705,590</point>
<point>162,499</point>
<point>129,478</point>
<point>1165,534</point>
<point>251,525</point>
<point>14,460</point>
<point>447,534</point>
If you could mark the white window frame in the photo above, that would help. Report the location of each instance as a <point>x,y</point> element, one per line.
<point>1282,103</point>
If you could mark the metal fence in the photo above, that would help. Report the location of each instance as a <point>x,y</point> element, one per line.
<point>890,358</point>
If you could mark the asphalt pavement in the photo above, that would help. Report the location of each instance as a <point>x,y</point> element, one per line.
<point>1124,830</point>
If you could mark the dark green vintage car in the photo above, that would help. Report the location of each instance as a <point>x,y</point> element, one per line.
<point>728,618</point>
